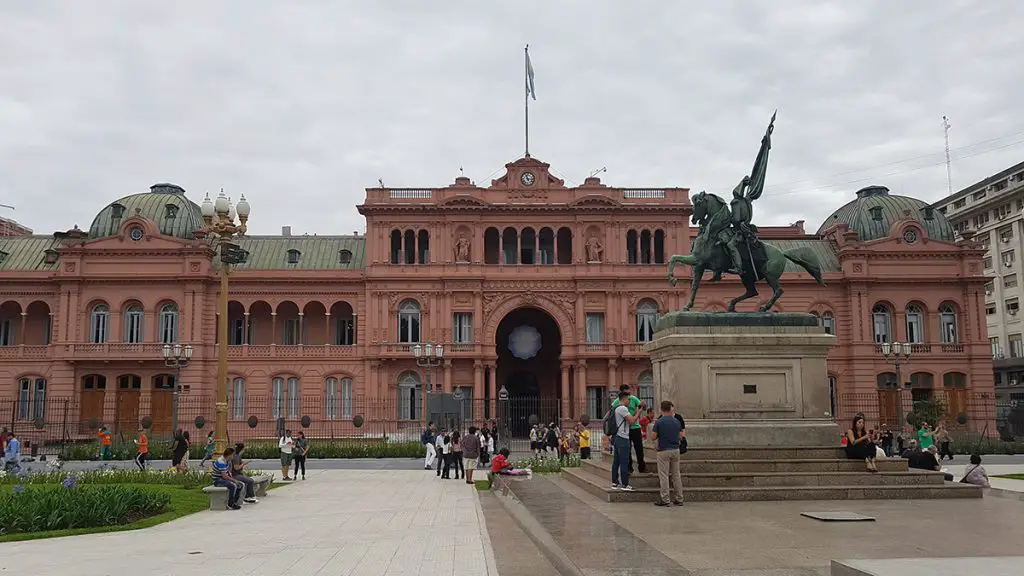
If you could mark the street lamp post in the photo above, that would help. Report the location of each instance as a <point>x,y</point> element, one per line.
<point>176,356</point>
<point>897,353</point>
<point>428,356</point>
<point>219,219</point>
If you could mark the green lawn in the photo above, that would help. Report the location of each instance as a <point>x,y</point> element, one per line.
<point>1010,476</point>
<point>183,502</point>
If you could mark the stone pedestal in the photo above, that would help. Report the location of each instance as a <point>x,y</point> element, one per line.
<point>746,379</point>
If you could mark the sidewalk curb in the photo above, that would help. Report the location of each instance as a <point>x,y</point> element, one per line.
<point>536,532</point>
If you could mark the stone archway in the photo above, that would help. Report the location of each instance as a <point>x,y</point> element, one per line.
<point>528,347</point>
<point>529,300</point>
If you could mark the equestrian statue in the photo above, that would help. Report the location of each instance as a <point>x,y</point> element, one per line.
<point>727,242</point>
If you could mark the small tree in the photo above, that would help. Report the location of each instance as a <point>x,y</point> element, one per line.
<point>929,412</point>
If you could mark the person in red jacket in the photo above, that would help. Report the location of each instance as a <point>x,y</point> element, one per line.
<point>501,465</point>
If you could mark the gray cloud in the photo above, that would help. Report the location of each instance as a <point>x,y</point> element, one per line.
<point>302,105</point>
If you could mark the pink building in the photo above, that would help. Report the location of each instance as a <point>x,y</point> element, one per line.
<point>546,290</point>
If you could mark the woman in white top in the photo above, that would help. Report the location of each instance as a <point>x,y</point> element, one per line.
<point>285,444</point>
<point>975,473</point>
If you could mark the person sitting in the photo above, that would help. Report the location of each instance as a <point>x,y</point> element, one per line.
<point>859,445</point>
<point>501,465</point>
<point>220,475</point>
<point>238,475</point>
<point>924,460</point>
<point>976,473</point>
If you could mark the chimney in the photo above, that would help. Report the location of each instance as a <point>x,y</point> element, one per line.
<point>286,230</point>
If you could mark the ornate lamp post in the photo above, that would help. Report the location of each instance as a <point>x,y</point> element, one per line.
<point>176,356</point>
<point>219,219</point>
<point>897,353</point>
<point>428,356</point>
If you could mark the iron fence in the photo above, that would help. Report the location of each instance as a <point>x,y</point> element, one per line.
<point>959,409</point>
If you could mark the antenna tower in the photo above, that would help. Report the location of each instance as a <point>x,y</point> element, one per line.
<point>949,167</point>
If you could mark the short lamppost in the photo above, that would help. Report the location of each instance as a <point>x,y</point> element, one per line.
<point>176,356</point>
<point>897,353</point>
<point>428,356</point>
<point>219,220</point>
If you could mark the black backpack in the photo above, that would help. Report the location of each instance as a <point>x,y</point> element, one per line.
<point>610,426</point>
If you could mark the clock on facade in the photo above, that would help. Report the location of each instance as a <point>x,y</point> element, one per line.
<point>910,236</point>
<point>527,178</point>
<point>135,233</point>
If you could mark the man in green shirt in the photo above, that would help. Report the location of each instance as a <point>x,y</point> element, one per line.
<point>636,437</point>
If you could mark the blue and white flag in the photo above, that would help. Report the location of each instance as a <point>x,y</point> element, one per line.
<point>529,76</point>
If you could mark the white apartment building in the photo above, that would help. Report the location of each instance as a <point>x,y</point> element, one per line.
<point>992,211</point>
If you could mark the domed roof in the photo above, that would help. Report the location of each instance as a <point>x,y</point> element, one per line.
<point>164,204</point>
<point>874,211</point>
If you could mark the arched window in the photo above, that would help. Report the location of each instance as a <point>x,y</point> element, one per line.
<point>659,246</point>
<point>828,322</point>
<point>492,246</point>
<point>99,324</point>
<point>645,247</point>
<point>563,248</point>
<point>31,398</point>
<point>344,257</point>
<point>915,324</point>
<point>337,398</point>
<point>882,321</point>
<point>285,397</point>
<point>409,400</point>
<point>510,246</point>
<point>527,254</point>
<point>133,320</point>
<point>645,387</point>
<point>646,320</point>
<point>396,247</point>
<point>886,380</point>
<point>423,247</point>
<point>238,399</point>
<point>947,324</point>
<point>163,382</point>
<point>409,322</point>
<point>632,253</point>
<point>169,323</point>
<point>546,246</point>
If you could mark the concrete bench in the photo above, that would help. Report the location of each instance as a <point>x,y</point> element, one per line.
<point>218,497</point>
<point>260,485</point>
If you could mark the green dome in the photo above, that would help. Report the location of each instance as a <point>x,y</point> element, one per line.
<point>165,204</point>
<point>874,211</point>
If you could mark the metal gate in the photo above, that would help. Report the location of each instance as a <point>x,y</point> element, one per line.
<point>519,413</point>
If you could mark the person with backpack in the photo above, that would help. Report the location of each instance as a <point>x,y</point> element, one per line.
<point>616,427</point>
<point>636,435</point>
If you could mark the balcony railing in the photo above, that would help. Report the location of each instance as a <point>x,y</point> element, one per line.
<point>259,351</point>
<point>24,352</point>
<point>115,350</point>
<point>925,349</point>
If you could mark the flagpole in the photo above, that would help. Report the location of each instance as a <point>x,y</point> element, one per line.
<point>526,94</point>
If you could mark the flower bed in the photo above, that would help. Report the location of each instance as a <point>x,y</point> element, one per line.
<point>548,464</point>
<point>43,507</point>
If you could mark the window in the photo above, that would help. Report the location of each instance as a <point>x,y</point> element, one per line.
<point>98,324</point>
<point>409,322</point>
<point>828,321</point>
<point>1016,346</point>
<point>1008,258</point>
<point>170,211</point>
<point>989,288</point>
<point>338,398</point>
<point>293,256</point>
<point>645,387</point>
<point>345,335</point>
<point>595,328</point>
<point>876,212</point>
<point>344,257</point>
<point>978,195</point>
<point>959,203</point>
<point>1012,306</point>
<point>291,332</point>
<point>116,210</point>
<point>915,324</point>
<point>169,323</point>
<point>50,256</point>
<point>285,398</point>
<point>133,318</point>
<point>1006,234</point>
<point>646,320</point>
<point>6,332</point>
<point>987,262</point>
<point>31,398</point>
<point>237,334</point>
<point>947,324</point>
<point>882,322</point>
<point>596,401</point>
<point>980,220</point>
<point>462,327</point>
<point>997,349</point>
<point>409,400</point>
<point>1010,281</point>
<point>238,399</point>
<point>990,308</point>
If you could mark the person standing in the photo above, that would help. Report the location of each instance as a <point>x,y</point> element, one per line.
<point>427,439</point>
<point>942,437</point>
<point>668,433</point>
<point>584,435</point>
<point>886,439</point>
<point>208,454</point>
<point>439,449</point>
<point>3,447</point>
<point>142,455</point>
<point>636,437</point>
<point>457,462</point>
<point>106,444</point>
<point>470,444</point>
<point>12,454</point>
<point>301,449</point>
<point>446,456</point>
<point>286,445</point>
<point>620,442</point>
<point>925,436</point>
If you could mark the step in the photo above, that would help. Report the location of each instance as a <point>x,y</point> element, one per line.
<point>600,487</point>
<point>757,453</point>
<point>758,479</point>
<point>792,465</point>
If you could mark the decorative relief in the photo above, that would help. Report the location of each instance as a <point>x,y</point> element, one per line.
<point>462,248</point>
<point>973,267</point>
<point>594,249</point>
<point>858,268</point>
<point>463,298</point>
<point>69,266</point>
<point>194,267</point>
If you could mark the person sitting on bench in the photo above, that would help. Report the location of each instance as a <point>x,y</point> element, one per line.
<point>220,474</point>
<point>501,465</point>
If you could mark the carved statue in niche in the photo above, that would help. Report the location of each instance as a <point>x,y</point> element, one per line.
<point>462,246</point>
<point>594,249</point>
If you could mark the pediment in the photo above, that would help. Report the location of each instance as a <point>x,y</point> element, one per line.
<point>128,238</point>
<point>540,172</point>
<point>595,200</point>
<point>464,201</point>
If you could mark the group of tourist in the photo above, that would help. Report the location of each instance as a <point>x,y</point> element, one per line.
<point>465,451</point>
<point>552,439</point>
<point>293,451</point>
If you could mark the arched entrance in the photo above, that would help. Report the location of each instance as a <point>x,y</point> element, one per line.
<point>529,348</point>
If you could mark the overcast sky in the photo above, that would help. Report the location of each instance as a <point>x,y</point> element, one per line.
<point>303,104</point>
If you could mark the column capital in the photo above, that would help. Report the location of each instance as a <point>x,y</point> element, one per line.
<point>582,364</point>
<point>612,362</point>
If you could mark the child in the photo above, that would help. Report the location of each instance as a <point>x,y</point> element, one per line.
<point>446,451</point>
<point>208,455</point>
<point>106,444</point>
<point>501,465</point>
<point>584,435</point>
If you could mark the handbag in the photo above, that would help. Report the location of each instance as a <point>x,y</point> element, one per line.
<point>683,446</point>
<point>966,474</point>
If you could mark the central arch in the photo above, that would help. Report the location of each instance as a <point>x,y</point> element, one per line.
<point>528,344</point>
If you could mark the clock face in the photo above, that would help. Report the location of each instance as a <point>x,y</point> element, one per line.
<point>910,236</point>
<point>135,233</point>
<point>527,178</point>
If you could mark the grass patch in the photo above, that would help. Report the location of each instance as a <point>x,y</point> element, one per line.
<point>182,503</point>
<point>1010,476</point>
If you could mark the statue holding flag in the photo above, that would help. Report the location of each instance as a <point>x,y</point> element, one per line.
<point>728,243</point>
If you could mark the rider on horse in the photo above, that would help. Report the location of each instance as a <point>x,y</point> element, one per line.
<point>739,232</point>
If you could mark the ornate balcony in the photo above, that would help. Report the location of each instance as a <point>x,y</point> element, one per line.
<point>25,352</point>
<point>268,351</point>
<point>143,351</point>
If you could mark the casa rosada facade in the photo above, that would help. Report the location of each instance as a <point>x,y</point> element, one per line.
<point>546,290</point>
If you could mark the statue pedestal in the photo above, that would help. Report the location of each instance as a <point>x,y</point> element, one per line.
<point>746,379</point>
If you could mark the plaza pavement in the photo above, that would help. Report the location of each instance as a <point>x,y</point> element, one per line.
<point>358,522</point>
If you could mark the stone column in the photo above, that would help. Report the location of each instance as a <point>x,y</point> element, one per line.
<point>24,321</point>
<point>302,333</point>
<point>273,328</point>
<point>492,403</point>
<point>478,389</point>
<point>581,377</point>
<point>246,326</point>
<point>327,328</point>
<point>567,396</point>
<point>447,384</point>
<point>613,369</point>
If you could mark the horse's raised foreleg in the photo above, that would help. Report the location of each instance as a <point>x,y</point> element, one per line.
<point>751,292</point>
<point>776,292</point>
<point>677,259</point>
<point>698,273</point>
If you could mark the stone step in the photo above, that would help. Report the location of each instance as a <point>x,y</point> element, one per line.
<point>603,470</point>
<point>757,453</point>
<point>600,487</point>
<point>792,465</point>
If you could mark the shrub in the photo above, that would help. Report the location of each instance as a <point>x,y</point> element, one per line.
<point>38,508</point>
<point>258,450</point>
<point>548,464</point>
<point>190,479</point>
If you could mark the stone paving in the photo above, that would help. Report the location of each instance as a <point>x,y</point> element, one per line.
<point>357,522</point>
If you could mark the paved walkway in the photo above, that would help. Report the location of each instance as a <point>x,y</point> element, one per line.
<point>357,522</point>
